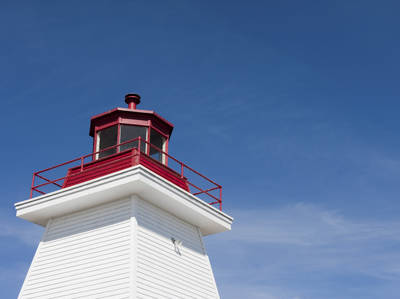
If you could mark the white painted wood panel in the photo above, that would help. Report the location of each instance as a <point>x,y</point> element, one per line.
<point>161,271</point>
<point>84,255</point>
<point>122,249</point>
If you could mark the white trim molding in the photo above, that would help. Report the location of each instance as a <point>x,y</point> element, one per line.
<point>136,180</point>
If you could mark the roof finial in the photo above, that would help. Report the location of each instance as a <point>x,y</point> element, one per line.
<point>132,99</point>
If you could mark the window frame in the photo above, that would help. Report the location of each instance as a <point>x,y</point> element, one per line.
<point>164,146</point>
<point>119,135</point>
<point>97,140</point>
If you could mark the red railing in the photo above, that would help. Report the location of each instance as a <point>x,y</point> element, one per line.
<point>50,178</point>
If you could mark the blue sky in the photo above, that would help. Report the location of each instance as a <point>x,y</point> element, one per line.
<point>292,106</point>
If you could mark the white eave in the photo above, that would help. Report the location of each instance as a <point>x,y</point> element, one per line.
<point>136,180</point>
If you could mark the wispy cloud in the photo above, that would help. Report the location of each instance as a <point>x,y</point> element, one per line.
<point>19,230</point>
<point>302,250</point>
<point>19,240</point>
<point>307,225</point>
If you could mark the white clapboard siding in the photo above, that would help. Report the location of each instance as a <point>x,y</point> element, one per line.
<point>161,271</point>
<point>84,255</point>
<point>122,249</point>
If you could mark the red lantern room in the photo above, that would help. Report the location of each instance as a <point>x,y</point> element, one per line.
<point>123,138</point>
<point>123,124</point>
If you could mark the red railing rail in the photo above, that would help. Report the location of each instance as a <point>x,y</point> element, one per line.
<point>184,170</point>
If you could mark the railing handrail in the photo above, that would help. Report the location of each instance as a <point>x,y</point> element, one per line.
<point>94,155</point>
<point>204,177</point>
<point>88,155</point>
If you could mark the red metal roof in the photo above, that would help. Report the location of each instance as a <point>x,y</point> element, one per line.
<point>148,114</point>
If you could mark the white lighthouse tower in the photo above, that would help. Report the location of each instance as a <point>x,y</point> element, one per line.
<point>126,220</point>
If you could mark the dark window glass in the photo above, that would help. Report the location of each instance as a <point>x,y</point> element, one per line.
<point>107,137</point>
<point>131,132</point>
<point>158,141</point>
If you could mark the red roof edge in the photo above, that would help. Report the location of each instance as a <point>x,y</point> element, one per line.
<point>150,112</point>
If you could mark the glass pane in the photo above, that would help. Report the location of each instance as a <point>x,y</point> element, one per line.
<point>157,140</point>
<point>131,132</point>
<point>107,137</point>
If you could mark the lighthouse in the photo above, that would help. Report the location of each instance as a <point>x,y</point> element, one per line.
<point>126,220</point>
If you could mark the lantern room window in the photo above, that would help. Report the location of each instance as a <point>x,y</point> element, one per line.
<point>158,141</point>
<point>129,132</point>
<point>106,138</point>
<point>110,136</point>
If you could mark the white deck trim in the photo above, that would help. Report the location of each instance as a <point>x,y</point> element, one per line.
<point>136,180</point>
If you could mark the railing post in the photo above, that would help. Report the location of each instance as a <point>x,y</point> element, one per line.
<point>147,141</point>
<point>82,164</point>
<point>139,144</point>
<point>220,198</point>
<point>181,170</point>
<point>33,183</point>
